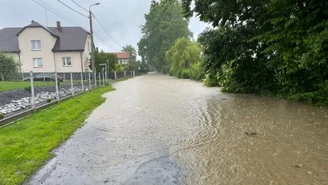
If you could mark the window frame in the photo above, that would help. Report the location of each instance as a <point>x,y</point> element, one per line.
<point>38,45</point>
<point>38,60</point>
<point>64,61</point>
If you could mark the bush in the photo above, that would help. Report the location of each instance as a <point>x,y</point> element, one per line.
<point>2,116</point>
<point>28,88</point>
<point>48,100</point>
<point>211,80</point>
<point>196,73</point>
<point>185,74</point>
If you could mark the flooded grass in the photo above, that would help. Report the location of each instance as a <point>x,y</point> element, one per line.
<point>27,144</point>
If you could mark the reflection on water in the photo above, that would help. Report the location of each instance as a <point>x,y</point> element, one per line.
<point>246,139</point>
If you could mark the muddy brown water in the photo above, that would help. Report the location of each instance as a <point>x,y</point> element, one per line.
<point>157,129</point>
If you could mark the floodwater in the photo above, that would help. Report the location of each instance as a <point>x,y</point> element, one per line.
<point>157,129</point>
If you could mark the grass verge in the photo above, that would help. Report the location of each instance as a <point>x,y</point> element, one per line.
<point>7,86</point>
<point>26,145</point>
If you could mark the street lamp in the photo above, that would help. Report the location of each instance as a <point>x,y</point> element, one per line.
<point>92,45</point>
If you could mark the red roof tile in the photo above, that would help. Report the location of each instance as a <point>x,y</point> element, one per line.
<point>122,55</point>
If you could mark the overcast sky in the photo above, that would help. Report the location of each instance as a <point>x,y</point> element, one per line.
<point>121,18</point>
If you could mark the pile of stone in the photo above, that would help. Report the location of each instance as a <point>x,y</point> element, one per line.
<point>40,99</point>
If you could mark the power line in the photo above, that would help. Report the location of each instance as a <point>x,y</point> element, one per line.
<point>47,7</point>
<point>79,5</point>
<point>106,31</point>
<point>72,9</point>
<point>44,5</point>
<point>103,41</point>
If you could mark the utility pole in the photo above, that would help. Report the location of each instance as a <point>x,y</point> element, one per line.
<point>92,47</point>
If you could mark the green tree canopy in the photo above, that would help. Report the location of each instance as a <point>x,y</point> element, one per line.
<point>164,24</point>
<point>105,58</point>
<point>8,67</point>
<point>132,51</point>
<point>182,56</point>
<point>263,45</point>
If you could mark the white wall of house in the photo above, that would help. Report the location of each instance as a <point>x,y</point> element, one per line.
<point>75,61</point>
<point>86,54</point>
<point>27,54</point>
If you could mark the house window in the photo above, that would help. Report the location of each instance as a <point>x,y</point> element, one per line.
<point>37,62</point>
<point>36,44</point>
<point>67,61</point>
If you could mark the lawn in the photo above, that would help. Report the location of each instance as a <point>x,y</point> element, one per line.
<point>26,145</point>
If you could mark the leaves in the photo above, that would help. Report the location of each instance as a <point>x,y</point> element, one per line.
<point>263,45</point>
<point>164,24</point>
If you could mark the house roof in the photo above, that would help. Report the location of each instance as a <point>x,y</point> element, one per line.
<point>121,55</point>
<point>36,25</point>
<point>9,40</point>
<point>69,38</point>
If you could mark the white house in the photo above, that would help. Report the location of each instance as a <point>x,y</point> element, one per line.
<point>47,49</point>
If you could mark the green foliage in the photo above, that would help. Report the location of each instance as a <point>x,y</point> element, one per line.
<point>184,58</point>
<point>2,116</point>
<point>132,51</point>
<point>8,67</point>
<point>28,88</point>
<point>48,100</point>
<point>164,24</point>
<point>196,72</point>
<point>211,80</point>
<point>185,74</point>
<point>105,58</point>
<point>277,47</point>
<point>119,67</point>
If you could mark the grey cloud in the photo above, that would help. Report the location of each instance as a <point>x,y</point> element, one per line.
<point>121,19</point>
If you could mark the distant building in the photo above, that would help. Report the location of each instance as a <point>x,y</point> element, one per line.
<point>123,57</point>
<point>47,49</point>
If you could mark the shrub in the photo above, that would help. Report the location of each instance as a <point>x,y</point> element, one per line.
<point>210,80</point>
<point>2,116</point>
<point>185,74</point>
<point>28,88</point>
<point>196,73</point>
<point>48,100</point>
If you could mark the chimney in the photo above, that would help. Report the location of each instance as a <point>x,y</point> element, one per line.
<point>59,28</point>
<point>32,21</point>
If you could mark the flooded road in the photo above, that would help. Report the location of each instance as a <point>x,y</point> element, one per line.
<point>157,129</point>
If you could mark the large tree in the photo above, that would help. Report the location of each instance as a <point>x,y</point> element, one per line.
<point>263,45</point>
<point>182,56</point>
<point>164,24</point>
<point>132,51</point>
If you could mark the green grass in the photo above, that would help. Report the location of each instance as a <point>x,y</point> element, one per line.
<point>26,145</point>
<point>7,86</point>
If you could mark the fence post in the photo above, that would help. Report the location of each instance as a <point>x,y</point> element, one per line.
<point>115,75</point>
<point>124,73</point>
<point>82,86</point>
<point>32,91</point>
<point>89,80</point>
<point>57,87</point>
<point>72,87</point>
<point>103,74</point>
<point>99,79</point>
